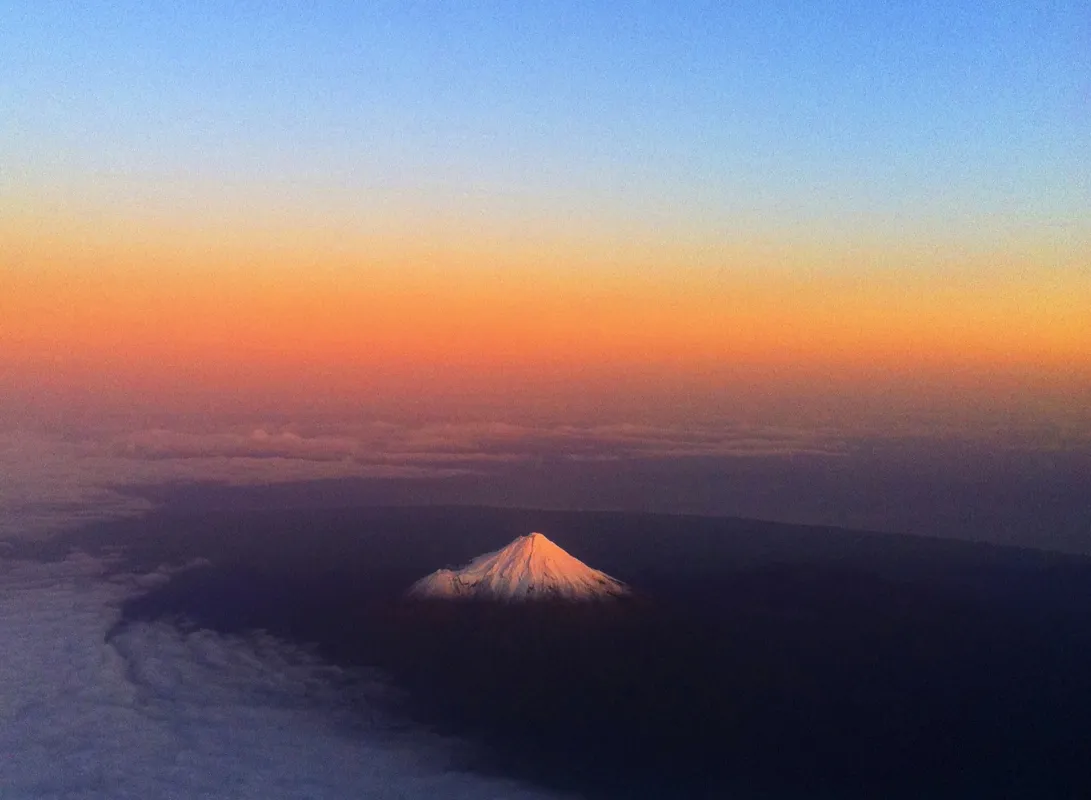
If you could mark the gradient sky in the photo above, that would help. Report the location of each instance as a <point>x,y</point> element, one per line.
<point>502,209</point>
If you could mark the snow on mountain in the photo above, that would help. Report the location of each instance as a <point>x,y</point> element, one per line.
<point>530,568</point>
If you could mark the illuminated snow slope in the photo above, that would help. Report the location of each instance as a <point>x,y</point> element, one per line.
<point>530,568</point>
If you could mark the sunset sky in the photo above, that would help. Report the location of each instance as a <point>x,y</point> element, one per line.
<point>232,219</point>
<point>226,200</point>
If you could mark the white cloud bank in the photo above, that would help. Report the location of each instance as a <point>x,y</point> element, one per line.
<point>154,713</point>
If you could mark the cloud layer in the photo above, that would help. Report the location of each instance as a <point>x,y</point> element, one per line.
<point>919,477</point>
<point>53,480</point>
<point>154,713</point>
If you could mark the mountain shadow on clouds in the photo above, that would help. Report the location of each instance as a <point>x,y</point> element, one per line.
<point>752,660</point>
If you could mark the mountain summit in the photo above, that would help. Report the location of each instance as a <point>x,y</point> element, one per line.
<point>530,568</point>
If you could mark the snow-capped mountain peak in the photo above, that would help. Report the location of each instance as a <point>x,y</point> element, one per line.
<point>530,568</point>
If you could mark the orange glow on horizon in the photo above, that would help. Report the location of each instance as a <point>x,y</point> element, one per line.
<point>212,314</point>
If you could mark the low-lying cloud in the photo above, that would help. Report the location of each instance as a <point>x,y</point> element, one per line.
<point>1017,486</point>
<point>151,712</point>
<point>469,442</point>
<point>50,480</point>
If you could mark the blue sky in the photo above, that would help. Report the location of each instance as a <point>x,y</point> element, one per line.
<point>832,111</point>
